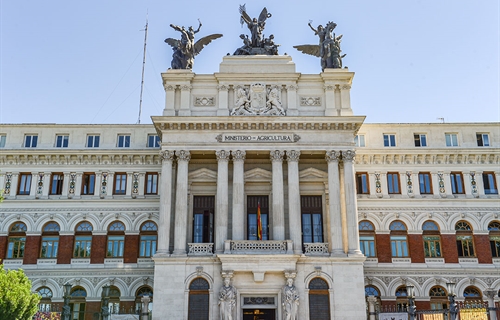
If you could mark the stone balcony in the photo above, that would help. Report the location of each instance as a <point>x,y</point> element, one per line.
<point>258,247</point>
<point>200,249</point>
<point>316,249</point>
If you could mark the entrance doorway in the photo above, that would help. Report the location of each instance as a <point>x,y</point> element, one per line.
<point>259,314</point>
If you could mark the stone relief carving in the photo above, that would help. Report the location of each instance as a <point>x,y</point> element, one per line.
<point>204,101</point>
<point>167,155</point>
<point>39,188</point>
<point>238,155</point>
<point>277,155</point>
<point>310,101</point>
<point>348,155</point>
<point>222,155</point>
<point>258,100</point>
<point>292,155</point>
<point>332,156</point>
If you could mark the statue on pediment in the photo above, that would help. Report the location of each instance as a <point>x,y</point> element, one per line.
<point>185,49</point>
<point>256,44</point>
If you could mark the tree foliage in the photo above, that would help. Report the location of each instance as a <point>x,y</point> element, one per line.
<point>17,302</point>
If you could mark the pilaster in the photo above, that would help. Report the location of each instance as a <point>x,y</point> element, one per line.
<point>165,202</point>
<point>351,202</point>
<point>278,213</point>
<point>181,200</point>
<point>335,227</point>
<point>238,194</point>
<point>221,215</point>
<point>292,157</point>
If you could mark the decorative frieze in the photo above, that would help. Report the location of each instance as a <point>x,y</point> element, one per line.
<point>310,101</point>
<point>258,100</point>
<point>261,138</point>
<point>204,101</point>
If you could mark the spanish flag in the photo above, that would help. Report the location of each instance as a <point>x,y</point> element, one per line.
<point>259,223</point>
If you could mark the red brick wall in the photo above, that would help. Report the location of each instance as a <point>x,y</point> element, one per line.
<point>65,252</point>
<point>383,248</point>
<point>98,250</point>
<point>31,249</point>
<point>449,248</point>
<point>483,249</point>
<point>3,247</point>
<point>91,308</point>
<point>416,248</point>
<point>131,249</point>
<point>423,305</point>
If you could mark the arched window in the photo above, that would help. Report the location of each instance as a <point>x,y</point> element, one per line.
<point>465,240</point>
<point>374,292</point>
<point>83,240</point>
<point>50,240</point>
<point>494,229</point>
<point>399,239</point>
<point>367,238</point>
<point>148,239</point>
<point>432,239</point>
<point>472,293</point>
<point>198,299</point>
<point>17,240</point>
<point>77,303</point>
<point>45,304</point>
<point>144,291</point>
<point>401,299</point>
<point>439,298</point>
<point>114,300</point>
<point>319,300</point>
<point>116,240</point>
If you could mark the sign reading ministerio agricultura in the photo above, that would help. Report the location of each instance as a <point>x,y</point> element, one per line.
<point>263,137</point>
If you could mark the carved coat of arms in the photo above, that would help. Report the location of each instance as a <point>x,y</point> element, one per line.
<point>258,100</point>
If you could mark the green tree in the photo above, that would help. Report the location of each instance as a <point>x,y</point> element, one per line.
<point>17,302</point>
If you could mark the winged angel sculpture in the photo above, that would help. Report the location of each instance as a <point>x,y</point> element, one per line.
<point>186,49</point>
<point>328,49</point>
<point>257,44</point>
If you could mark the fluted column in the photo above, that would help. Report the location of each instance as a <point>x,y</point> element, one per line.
<point>278,199</point>
<point>181,203</point>
<point>165,201</point>
<point>292,157</point>
<point>221,215</point>
<point>351,203</point>
<point>238,194</point>
<point>335,227</point>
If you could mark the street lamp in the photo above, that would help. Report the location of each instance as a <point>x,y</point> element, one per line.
<point>66,296</point>
<point>105,300</point>
<point>410,293</point>
<point>450,286</point>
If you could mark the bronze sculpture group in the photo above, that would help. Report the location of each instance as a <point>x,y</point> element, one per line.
<point>185,49</point>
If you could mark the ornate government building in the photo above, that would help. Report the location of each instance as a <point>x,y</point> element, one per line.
<point>255,179</point>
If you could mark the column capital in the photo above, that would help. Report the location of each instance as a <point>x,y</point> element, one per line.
<point>222,87</point>
<point>186,87</point>
<point>348,155</point>
<point>277,155</point>
<point>238,155</point>
<point>170,87</point>
<point>292,155</point>
<point>332,155</point>
<point>222,155</point>
<point>166,155</point>
<point>183,155</point>
<point>292,87</point>
<point>345,87</point>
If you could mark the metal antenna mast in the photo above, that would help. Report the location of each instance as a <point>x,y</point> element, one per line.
<point>143,65</point>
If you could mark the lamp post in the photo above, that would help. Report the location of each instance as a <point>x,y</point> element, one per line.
<point>105,300</point>
<point>450,286</point>
<point>66,296</point>
<point>410,293</point>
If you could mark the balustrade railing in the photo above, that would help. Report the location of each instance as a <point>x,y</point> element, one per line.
<point>258,247</point>
<point>200,249</point>
<point>318,248</point>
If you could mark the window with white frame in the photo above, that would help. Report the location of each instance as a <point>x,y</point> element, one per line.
<point>123,141</point>
<point>3,139</point>
<point>367,238</point>
<point>30,140</point>
<point>93,141</point>
<point>153,141</point>
<point>62,140</point>
<point>451,139</point>
<point>483,139</point>
<point>389,140</point>
<point>420,140</point>
<point>399,239</point>
<point>116,240</point>
<point>359,140</point>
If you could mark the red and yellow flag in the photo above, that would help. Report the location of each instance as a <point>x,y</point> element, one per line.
<point>259,223</point>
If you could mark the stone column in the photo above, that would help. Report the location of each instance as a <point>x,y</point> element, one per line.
<point>330,108</point>
<point>46,185</point>
<point>479,184</point>
<point>291,97</point>
<point>14,181</point>
<point>184,109</point>
<point>223,109</point>
<point>238,194</point>
<point>221,213</point>
<point>169,100</point>
<point>292,157</point>
<point>351,202</point>
<point>335,227</point>
<point>447,183</point>
<point>278,199</point>
<point>165,202</point>
<point>78,185</point>
<point>65,188</point>
<point>181,202</point>
<point>128,187</point>
<point>372,300</point>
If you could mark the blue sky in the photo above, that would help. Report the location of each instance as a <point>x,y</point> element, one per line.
<point>80,61</point>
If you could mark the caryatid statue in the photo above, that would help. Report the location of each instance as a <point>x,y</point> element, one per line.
<point>290,299</point>
<point>186,49</point>
<point>227,299</point>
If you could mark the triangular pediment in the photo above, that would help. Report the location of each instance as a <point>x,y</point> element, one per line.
<point>203,175</point>
<point>258,174</point>
<point>312,174</point>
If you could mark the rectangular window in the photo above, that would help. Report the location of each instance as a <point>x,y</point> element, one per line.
<point>93,141</point>
<point>360,140</point>
<point>123,141</point>
<point>62,141</point>
<point>147,246</point>
<point>312,221</point>
<point>424,180</point>
<point>432,246</point>
<point>489,183</point>
<point>120,183</point>
<point>483,139</point>
<point>252,221</point>
<point>49,247</point>
<point>115,246</point>
<point>457,183</point>
<point>451,139</point>
<point>465,246</point>
<point>389,140</point>
<point>153,141</point>
<point>399,246</point>
<point>3,139</point>
<point>30,141</point>
<point>15,248</point>
<point>362,183</point>
<point>56,183</point>
<point>88,183</point>
<point>367,245</point>
<point>420,140</point>
<point>151,183</point>
<point>495,246</point>
<point>24,183</point>
<point>203,219</point>
<point>82,246</point>
<point>393,183</point>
